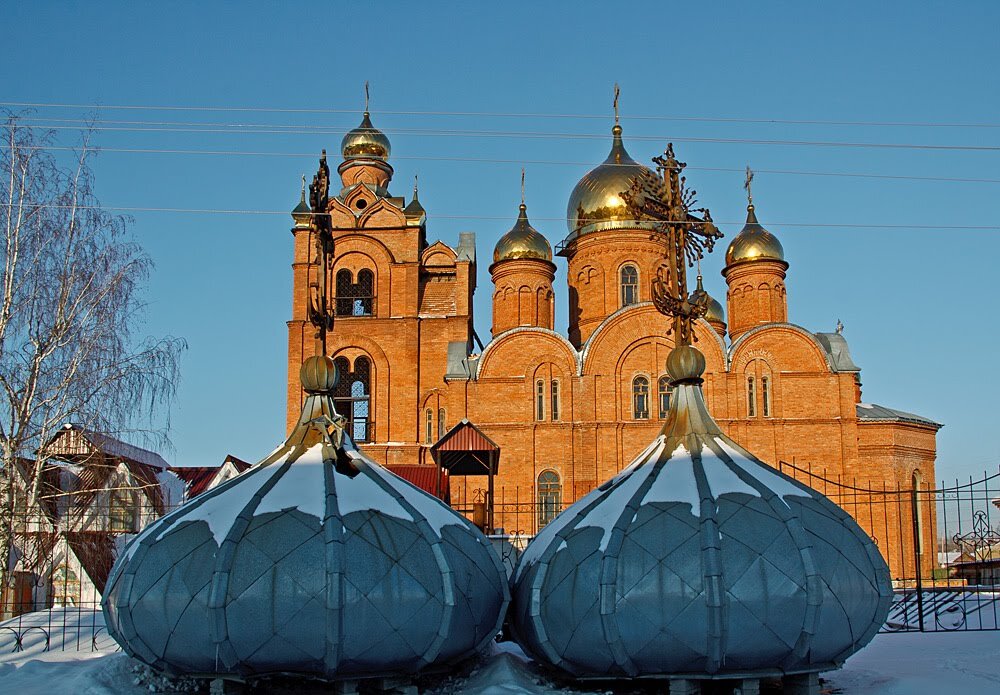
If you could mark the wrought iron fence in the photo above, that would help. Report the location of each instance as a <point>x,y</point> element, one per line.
<point>942,545</point>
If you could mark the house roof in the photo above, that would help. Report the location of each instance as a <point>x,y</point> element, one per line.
<point>196,478</point>
<point>427,478</point>
<point>111,446</point>
<point>879,413</point>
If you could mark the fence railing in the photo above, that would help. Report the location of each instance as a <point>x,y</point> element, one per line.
<point>942,545</point>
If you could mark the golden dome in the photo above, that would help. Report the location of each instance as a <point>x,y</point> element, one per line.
<point>595,202</point>
<point>365,141</point>
<point>754,243</point>
<point>715,311</point>
<point>522,241</point>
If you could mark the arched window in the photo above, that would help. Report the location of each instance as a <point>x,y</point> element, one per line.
<point>353,397</point>
<point>355,298</point>
<point>630,285</point>
<point>664,391</point>
<point>640,398</point>
<point>428,426</point>
<point>765,396</point>
<point>539,400</point>
<point>121,512</point>
<point>442,420</point>
<point>65,587</point>
<point>549,497</point>
<point>751,397</point>
<point>554,409</point>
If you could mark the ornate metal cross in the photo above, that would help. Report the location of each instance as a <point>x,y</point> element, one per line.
<point>669,203</point>
<point>320,309</point>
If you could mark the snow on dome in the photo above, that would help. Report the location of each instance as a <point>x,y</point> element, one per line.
<point>698,560</point>
<point>315,561</point>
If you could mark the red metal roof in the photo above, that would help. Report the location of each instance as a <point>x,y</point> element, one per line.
<point>424,478</point>
<point>196,478</point>
<point>465,437</point>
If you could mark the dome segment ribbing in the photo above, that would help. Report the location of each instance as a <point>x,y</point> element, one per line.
<point>316,561</point>
<point>705,560</point>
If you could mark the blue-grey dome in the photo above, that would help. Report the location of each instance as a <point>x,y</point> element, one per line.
<point>316,561</point>
<point>698,559</point>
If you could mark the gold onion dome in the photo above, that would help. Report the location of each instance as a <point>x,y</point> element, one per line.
<point>596,202</point>
<point>522,241</point>
<point>715,311</point>
<point>754,243</point>
<point>365,141</point>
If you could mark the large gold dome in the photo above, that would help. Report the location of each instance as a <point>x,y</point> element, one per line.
<point>595,202</point>
<point>365,141</point>
<point>522,241</point>
<point>754,243</point>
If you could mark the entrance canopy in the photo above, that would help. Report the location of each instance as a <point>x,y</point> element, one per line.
<point>465,450</point>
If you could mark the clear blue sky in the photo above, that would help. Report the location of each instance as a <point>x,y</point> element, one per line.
<point>919,304</point>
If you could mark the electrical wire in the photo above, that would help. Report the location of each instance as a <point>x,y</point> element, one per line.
<point>499,114</point>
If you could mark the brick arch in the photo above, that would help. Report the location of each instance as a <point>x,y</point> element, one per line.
<point>795,347</point>
<point>438,254</point>
<point>381,208</point>
<point>640,321</point>
<point>515,351</point>
<point>355,345</point>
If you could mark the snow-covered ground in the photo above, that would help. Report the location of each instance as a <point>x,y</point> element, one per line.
<point>893,664</point>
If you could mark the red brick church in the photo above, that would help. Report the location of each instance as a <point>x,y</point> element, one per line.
<point>569,410</point>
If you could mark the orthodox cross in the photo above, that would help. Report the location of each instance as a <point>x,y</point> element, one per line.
<point>320,309</point>
<point>668,202</point>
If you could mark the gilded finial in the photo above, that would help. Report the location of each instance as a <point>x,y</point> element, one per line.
<point>746,185</point>
<point>522,185</point>
<point>840,327</point>
<point>416,181</point>
<point>615,103</point>
<point>366,97</point>
<point>303,198</point>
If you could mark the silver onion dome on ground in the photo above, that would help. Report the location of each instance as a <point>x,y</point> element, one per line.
<point>316,561</point>
<point>698,560</point>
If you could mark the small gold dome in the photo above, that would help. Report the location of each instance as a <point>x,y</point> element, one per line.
<point>522,241</point>
<point>715,311</point>
<point>595,202</point>
<point>365,141</point>
<point>754,243</point>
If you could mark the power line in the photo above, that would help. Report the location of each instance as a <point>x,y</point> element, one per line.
<point>247,211</point>
<point>553,136</point>
<point>519,162</point>
<point>503,114</point>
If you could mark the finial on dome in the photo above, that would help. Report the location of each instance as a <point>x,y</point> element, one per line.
<point>318,375</point>
<point>416,181</point>
<point>746,185</point>
<point>522,185</point>
<point>367,96</point>
<point>618,92</point>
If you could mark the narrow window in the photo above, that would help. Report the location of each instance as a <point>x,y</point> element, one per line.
<point>630,285</point>
<point>549,497</point>
<point>345,284</point>
<point>555,401</point>
<point>442,422</point>
<point>364,293</point>
<point>640,398</point>
<point>428,425</point>
<point>65,587</point>
<point>352,397</point>
<point>765,393</point>
<point>539,400</point>
<point>751,398</point>
<point>121,512</point>
<point>664,391</point>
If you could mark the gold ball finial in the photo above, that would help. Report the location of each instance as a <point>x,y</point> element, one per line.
<point>318,374</point>
<point>685,363</point>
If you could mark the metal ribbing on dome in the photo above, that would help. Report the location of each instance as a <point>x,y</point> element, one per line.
<point>708,563</point>
<point>316,561</point>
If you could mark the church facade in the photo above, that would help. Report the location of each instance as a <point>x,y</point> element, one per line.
<point>569,411</point>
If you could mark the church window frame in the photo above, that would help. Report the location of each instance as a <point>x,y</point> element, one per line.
<point>628,277</point>
<point>428,426</point>
<point>751,397</point>
<point>354,297</point>
<point>549,496</point>
<point>353,396</point>
<point>539,400</point>
<point>442,422</point>
<point>765,395</point>
<point>664,394</point>
<point>640,397</point>
<point>554,406</point>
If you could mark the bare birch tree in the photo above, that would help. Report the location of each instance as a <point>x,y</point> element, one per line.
<point>71,312</point>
